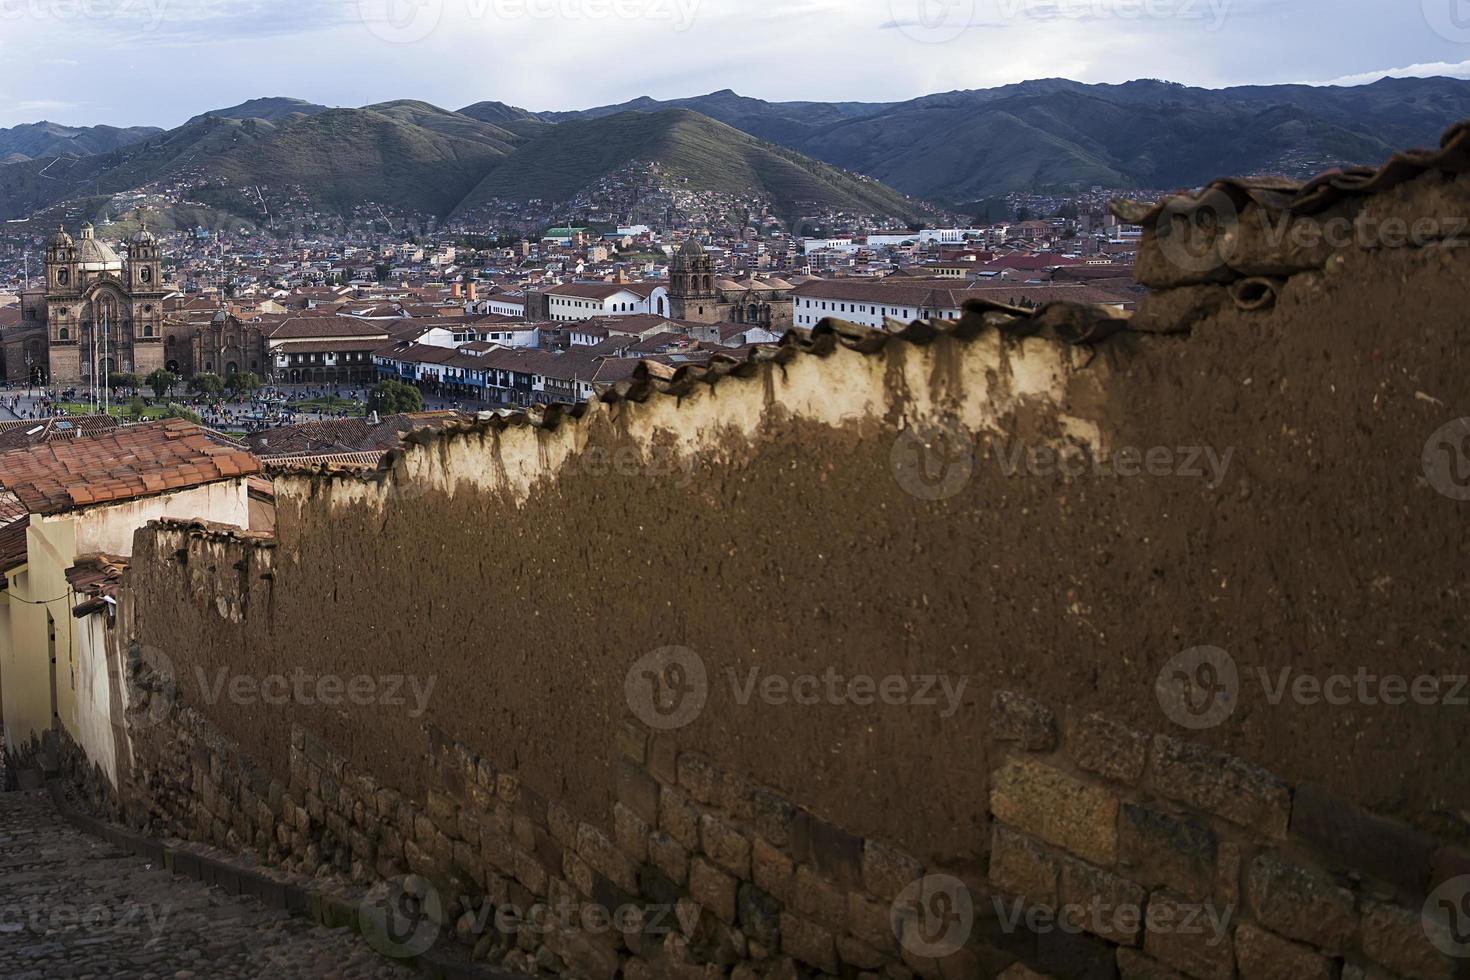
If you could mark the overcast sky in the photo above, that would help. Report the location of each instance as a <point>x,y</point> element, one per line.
<point>158,62</point>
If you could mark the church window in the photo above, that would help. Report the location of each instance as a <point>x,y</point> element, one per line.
<point>63,334</point>
<point>62,277</point>
<point>148,330</point>
<point>146,275</point>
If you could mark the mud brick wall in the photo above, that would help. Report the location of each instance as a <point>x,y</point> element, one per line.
<point>772,520</point>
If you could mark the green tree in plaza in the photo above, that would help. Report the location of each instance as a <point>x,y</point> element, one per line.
<point>162,382</point>
<point>394,398</point>
<point>243,382</point>
<point>206,384</point>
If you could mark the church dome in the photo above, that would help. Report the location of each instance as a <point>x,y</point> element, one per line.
<point>692,249</point>
<point>62,239</point>
<point>96,256</point>
<point>144,237</point>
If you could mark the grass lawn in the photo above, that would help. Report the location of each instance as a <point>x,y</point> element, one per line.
<point>122,411</point>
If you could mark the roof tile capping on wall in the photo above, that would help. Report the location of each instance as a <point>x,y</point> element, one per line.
<point>1053,512</point>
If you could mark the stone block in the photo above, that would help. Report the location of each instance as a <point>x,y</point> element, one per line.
<point>725,845</point>
<point>1110,749</point>
<point>1181,934</point>
<point>1397,939</point>
<point>699,778</point>
<point>818,899</point>
<point>1027,723</point>
<point>1021,867</point>
<point>713,889</point>
<point>870,919</point>
<point>1263,956</point>
<point>663,758</point>
<point>1133,965</point>
<point>669,856</point>
<point>1221,784</point>
<point>888,871</point>
<point>1161,849</point>
<point>809,943</point>
<point>1301,904</point>
<point>772,870</point>
<point>600,852</point>
<point>759,914</point>
<point>679,818</point>
<point>1058,808</point>
<point>1102,903</point>
<point>631,833</point>
<point>632,742</point>
<point>638,791</point>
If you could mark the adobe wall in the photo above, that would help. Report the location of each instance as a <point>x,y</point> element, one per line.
<point>781,520</point>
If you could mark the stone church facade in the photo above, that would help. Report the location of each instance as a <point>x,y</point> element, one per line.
<point>698,295</point>
<point>95,315</point>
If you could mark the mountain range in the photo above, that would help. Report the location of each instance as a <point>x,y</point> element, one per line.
<point>952,149</point>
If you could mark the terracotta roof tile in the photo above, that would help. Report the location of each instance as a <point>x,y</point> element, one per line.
<point>134,461</point>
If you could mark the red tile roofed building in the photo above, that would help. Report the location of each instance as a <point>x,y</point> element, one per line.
<point>66,499</point>
<point>137,461</point>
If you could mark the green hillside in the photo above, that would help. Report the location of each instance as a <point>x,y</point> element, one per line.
<point>710,155</point>
<point>346,156</point>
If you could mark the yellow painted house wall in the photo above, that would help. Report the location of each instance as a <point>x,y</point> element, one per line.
<point>40,588</point>
<point>84,678</point>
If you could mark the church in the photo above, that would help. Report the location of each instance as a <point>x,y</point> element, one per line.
<point>96,314</point>
<point>698,295</point>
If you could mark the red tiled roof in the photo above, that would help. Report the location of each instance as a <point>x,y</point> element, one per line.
<point>135,461</point>
<point>33,432</point>
<point>13,544</point>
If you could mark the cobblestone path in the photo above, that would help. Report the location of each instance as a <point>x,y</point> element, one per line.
<point>75,906</point>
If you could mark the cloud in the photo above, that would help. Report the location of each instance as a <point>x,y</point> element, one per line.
<point>43,105</point>
<point>1457,69</point>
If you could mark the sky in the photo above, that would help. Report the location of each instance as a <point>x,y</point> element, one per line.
<point>160,62</point>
